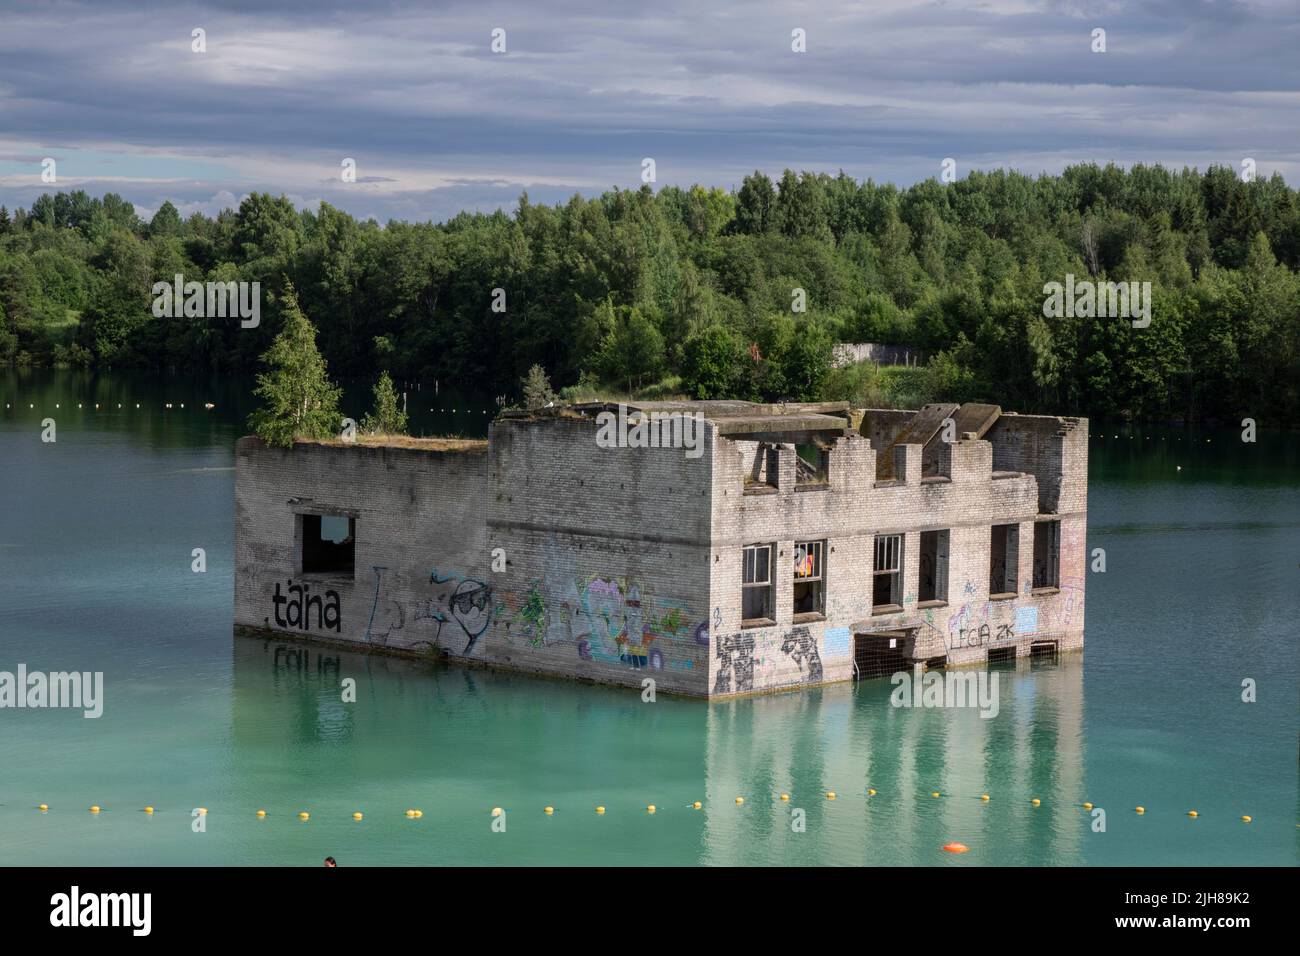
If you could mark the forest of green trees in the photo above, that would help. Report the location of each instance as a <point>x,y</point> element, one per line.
<point>694,291</point>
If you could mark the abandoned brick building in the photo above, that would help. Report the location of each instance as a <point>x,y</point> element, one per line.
<point>791,545</point>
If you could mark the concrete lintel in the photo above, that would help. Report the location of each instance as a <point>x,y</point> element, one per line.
<point>784,428</point>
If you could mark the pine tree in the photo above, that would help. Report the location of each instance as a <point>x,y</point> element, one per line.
<point>537,388</point>
<point>4,220</point>
<point>386,418</point>
<point>299,400</point>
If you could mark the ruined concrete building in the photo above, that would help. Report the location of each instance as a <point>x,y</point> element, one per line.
<point>790,545</point>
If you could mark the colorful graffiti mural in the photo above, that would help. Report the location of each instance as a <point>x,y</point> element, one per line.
<point>604,619</point>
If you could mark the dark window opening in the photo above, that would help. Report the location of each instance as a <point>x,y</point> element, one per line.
<point>1047,554</point>
<point>1002,655</point>
<point>756,586</point>
<point>1004,558</point>
<point>329,544</point>
<point>809,577</point>
<point>887,577</point>
<point>934,566</point>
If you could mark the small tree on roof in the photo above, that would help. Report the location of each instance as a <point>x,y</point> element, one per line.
<point>537,388</point>
<point>298,398</point>
<point>386,418</point>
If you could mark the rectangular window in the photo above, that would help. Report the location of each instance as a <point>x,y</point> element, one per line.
<point>1047,554</point>
<point>329,544</point>
<point>1004,559</point>
<point>756,590</point>
<point>887,579</point>
<point>809,577</point>
<point>934,566</point>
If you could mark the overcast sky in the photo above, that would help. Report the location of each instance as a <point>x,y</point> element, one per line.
<point>437,122</point>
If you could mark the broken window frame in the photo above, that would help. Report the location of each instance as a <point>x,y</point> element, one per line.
<point>749,582</point>
<point>814,581</point>
<point>895,573</point>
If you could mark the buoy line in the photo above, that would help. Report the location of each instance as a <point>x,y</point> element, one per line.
<point>650,809</point>
<point>105,406</point>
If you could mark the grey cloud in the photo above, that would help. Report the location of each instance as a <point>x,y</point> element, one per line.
<point>587,89</point>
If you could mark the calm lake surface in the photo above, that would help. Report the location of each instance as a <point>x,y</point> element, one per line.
<point>1202,591</point>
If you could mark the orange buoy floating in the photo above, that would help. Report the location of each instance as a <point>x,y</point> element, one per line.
<point>955,847</point>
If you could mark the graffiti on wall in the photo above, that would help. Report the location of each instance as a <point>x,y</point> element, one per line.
<point>982,635</point>
<point>298,608</point>
<point>610,620</point>
<point>739,659</point>
<point>460,606</point>
<point>735,653</point>
<point>386,615</point>
<point>799,646</point>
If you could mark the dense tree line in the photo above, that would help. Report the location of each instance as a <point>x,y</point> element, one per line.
<point>696,291</point>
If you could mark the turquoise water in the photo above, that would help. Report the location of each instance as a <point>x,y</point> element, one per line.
<point>1202,590</point>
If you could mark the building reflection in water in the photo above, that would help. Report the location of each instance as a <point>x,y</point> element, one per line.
<point>469,739</point>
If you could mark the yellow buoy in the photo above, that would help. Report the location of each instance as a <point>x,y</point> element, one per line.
<point>410,813</point>
<point>1192,813</point>
<point>1139,809</point>
<point>934,793</point>
<point>357,815</point>
<point>600,809</point>
<point>739,801</point>
<point>830,794</point>
<point>870,792</point>
<point>984,797</point>
<point>304,815</point>
<point>697,804</point>
<point>261,813</point>
<point>148,809</point>
<point>202,810</point>
<point>1036,802</point>
<point>1245,819</point>
<point>497,811</point>
<point>418,814</point>
<point>43,807</point>
<point>94,809</point>
<point>650,809</point>
<point>1087,806</point>
<point>550,810</point>
<point>785,796</point>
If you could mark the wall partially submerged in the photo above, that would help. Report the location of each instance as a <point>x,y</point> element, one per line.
<point>541,553</point>
<point>540,550</point>
<point>419,578</point>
